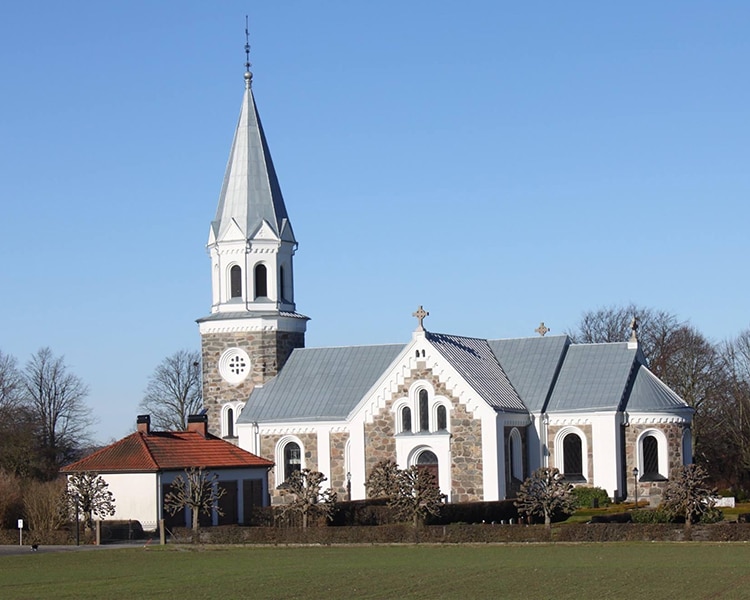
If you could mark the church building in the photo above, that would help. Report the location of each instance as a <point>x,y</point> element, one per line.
<point>482,414</point>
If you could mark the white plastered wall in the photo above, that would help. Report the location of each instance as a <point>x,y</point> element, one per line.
<point>136,497</point>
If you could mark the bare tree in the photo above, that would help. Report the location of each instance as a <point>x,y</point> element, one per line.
<point>174,391</point>
<point>688,495</point>
<point>10,384</point>
<point>412,493</point>
<point>10,498</point>
<point>546,493</point>
<point>613,324</point>
<point>88,493</point>
<point>56,398</point>
<point>197,491</point>
<point>45,504</point>
<point>383,481</point>
<point>418,495</point>
<point>305,487</point>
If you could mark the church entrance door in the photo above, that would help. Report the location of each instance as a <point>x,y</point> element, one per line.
<point>428,461</point>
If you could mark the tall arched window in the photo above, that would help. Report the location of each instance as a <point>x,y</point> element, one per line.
<point>442,418</point>
<point>406,419</point>
<point>572,457</point>
<point>650,457</point>
<point>424,411</point>
<point>282,284</point>
<point>292,459</point>
<point>261,281</point>
<point>230,423</point>
<point>235,282</point>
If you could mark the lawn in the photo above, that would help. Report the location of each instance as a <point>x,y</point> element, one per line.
<point>624,570</point>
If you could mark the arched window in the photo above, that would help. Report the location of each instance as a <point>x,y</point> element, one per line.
<point>282,284</point>
<point>650,457</point>
<point>573,457</point>
<point>235,282</point>
<point>230,423</point>
<point>406,419</point>
<point>442,418</point>
<point>292,459</point>
<point>515,455</point>
<point>261,281</point>
<point>424,411</point>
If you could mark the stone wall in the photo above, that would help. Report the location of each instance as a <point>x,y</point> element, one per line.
<point>338,463</point>
<point>466,438</point>
<point>268,351</point>
<point>652,491</point>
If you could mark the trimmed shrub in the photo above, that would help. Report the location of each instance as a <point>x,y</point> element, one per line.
<point>651,516</point>
<point>500,511</point>
<point>591,497</point>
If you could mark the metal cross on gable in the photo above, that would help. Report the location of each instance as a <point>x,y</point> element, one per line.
<point>542,329</point>
<point>420,314</point>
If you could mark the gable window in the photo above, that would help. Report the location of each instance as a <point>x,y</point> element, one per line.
<point>442,418</point>
<point>406,419</point>
<point>261,281</point>
<point>235,282</point>
<point>573,457</point>
<point>424,411</point>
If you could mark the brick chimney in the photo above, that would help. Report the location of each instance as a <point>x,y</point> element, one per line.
<point>143,423</point>
<point>198,424</point>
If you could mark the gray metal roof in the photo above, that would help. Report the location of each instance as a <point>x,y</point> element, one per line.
<point>592,377</point>
<point>476,362</point>
<point>319,384</point>
<point>251,193</point>
<point>650,394</point>
<point>531,365</point>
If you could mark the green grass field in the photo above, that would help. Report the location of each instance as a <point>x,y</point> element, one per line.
<point>638,570</point>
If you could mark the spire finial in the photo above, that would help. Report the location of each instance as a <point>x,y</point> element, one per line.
<point>542,330</point>
<point>248,73</point>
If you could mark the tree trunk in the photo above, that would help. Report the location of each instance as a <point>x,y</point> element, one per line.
<point>195,526</point>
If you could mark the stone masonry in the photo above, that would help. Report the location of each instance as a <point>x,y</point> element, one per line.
<point>652,491</point>
<point>268,351</point>
<point>466,438</point>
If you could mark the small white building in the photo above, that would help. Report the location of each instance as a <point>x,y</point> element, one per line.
<point>140,468</point>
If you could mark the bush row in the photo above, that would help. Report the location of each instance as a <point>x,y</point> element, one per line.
<point>462,533</point>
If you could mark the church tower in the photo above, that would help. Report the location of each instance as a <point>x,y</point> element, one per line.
<point>253,325</point>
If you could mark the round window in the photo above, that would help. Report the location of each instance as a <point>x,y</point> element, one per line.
<point>234,365</point>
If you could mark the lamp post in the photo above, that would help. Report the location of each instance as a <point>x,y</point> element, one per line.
<point>348,487</point>
<point>635,480</point>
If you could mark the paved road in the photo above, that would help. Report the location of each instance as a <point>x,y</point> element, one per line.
<point>9,550</point>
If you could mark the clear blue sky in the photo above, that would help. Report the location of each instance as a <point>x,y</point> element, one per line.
<point>502,163</point>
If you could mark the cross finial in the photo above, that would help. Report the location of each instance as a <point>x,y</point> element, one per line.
<point>248,73</point>
<point>542,330</point>
<point>420,314</point>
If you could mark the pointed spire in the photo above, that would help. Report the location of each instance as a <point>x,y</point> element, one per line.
<point>250,194</point>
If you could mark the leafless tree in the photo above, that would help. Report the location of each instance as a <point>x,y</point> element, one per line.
<point>688,495</point>
<point>174,391</point>
<point>10,498</point>
<point>307,497</point>
<point>197,491</point>
<point>546,493</point>
<point>383,481</point>
<point>89,494</point>
<point>45,504</point>
<point>56,399</point>
<point>412,493</point>
<point>10,384</point>
<point>613,324</point>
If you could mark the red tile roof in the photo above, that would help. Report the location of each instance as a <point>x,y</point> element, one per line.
<point>167,450</point>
